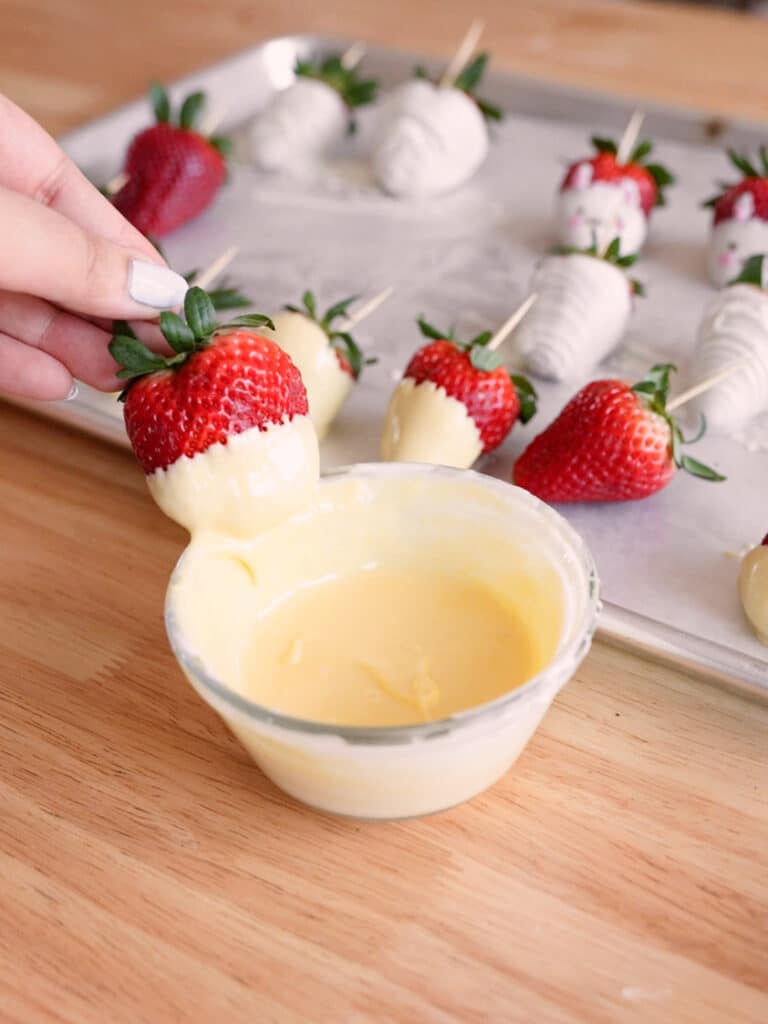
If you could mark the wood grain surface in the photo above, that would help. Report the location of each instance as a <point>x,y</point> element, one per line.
<point>150,873</point>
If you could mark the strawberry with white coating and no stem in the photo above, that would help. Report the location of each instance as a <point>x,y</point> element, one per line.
<point>433,137</point>
<point>455,402</point>
<point>733,331</point>
<point>306,118</point>
<point>221,426</point>
<point>584,303</point>
<point>739,218</point>
<point>612,442</point>
<point>328,357</point>
<point>601,199</point>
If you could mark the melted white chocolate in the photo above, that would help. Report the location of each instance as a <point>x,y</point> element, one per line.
<point>424,424</point>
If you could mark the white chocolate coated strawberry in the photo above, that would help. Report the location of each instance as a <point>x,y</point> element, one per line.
<point>734,328</point>
<point>300,123</point>
<point>601,211</point>
<point>753,590</point>
<point>327,384</point>
<point>582,310</point>
<point>732,242</point>
<point>432,140</point>
<point>424,424</point>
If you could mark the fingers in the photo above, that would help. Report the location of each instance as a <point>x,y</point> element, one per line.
<point>78,345</point>
<point>47,255</point>
<point>30,373</point>
<point>32,164</point>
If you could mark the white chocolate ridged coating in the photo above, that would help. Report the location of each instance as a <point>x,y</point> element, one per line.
<point>328,386</point>
<point>432,140</point>
<point>734,328</point>
<point>425,424</point>
<point>300,123</point>
<point>581,312</point>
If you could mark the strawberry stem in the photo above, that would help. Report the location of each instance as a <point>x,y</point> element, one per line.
<point>342,341</point>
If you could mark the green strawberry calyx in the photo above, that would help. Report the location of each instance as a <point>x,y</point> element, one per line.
<point>467,81</point>
<point>654,391</point>
<point>192,333</point>
<point>188,115</point>
<point>482,358</point>
<point>754,271</point>
<point>662,176</point>
<point>611,254</point>
<point>353,89</point>
<point>341,341</point>
<point>747,169</point>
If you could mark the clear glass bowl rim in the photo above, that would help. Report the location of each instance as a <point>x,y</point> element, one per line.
<point>565,661</point>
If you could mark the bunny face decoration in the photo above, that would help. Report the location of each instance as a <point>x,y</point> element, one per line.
<point>595,212</point>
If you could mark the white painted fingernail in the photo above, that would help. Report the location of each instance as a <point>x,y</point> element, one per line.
<point>72,393</point>
<point>151,284</point>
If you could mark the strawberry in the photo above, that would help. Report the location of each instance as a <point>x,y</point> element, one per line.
<point>348,352</point>
<point>354,90</point>
<point>467,81</point>
<point>173,172</point>
<point>754,183</point>
<point>470,373</point>
<point>611,442</point>
<point>651,179</point>
<point>221,380</point>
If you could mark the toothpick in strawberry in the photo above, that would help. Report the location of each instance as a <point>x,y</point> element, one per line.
<point>601,199</point>
<point>221,426</point>
<point>740,218</point>
<point>612,442</point>
<point>455,402</point>
<point>172,172</point>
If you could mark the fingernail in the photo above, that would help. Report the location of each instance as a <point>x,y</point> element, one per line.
<point>151,284</point>
<point>72,393</point>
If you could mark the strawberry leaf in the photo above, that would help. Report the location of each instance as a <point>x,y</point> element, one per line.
<point>124,328</point>
<point>222,144</point>
<point>638,288</point>
<point>199,313</point>
<point>482,359</point>
<point>190,110</point>
<point>481,339</point>
<point>471,76</point>
<point>743,164</point>
<point>179,335</point>
<point>699,434</point>
<point>246,320</point>
<point>161,105</point>
<point>135,358</point>
<point>527,397</point>
<point>603,145</point>
<point>490,111</point>
<point>696,468</point>
<point>613,250</point>
<point>751,272</point>
<point>347,345</point>
<point>354,90</point>
<point>642,150</point>
<point>763,153</point>
<point>228,298</point>
<point>337,310</point>
<point>431,332</point>
<point>309,304</point>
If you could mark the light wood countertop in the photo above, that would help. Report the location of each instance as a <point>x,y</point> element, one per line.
<point>150,873</point>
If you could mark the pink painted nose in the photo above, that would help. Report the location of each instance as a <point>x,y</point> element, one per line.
<point>726,259</point>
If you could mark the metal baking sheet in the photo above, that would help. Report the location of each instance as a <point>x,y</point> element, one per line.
<point>668,563</point>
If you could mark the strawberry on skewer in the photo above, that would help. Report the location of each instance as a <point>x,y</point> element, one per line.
<point>753,589</point>
<point>612,442</point>
<point>607,196</point>
<point>455,403</point>
<point>221,427</point>
<point>740,218</point>
<point>172,172</point>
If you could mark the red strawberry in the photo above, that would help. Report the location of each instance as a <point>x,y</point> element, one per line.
<point>468,372</point>
<point>753,183</point>
<point>173,171</point>
<point>651,179</point>
<point>348,352</point>
<point>612,442</point>
<point>222,380</point>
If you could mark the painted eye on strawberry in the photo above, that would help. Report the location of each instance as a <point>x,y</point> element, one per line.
<point>221,426</point>
<point>612,442</point>
<point>75,262</point>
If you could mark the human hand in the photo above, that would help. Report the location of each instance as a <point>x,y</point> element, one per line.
<point>69,264</point>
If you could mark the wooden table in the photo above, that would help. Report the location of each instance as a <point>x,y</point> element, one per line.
<point>149,873</point>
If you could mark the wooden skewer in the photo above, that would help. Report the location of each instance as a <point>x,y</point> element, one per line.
<point>629,138</point>
<point>366,309</point>
<point>352,57</point>
<point>211,272</point>
<point>463,53</point>
<point>119,181</point>
<point>705,385</point>
<point>511,323</point>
